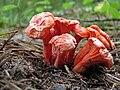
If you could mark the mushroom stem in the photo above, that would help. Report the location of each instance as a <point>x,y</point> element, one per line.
<point>83,51</point>
<point>59,62</point>
<point>47,48</point>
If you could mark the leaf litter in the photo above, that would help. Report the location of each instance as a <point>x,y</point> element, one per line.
<point>22,67</point>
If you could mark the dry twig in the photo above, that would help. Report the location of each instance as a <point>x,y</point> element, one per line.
<point>68,71</point>
<point>112,79</point>
<point>8,39</point>
<point>98,20</point>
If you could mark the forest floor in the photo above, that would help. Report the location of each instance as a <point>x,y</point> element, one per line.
<point>22,67</point>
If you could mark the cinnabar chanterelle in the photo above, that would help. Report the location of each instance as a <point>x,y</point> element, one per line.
<point>59,44</point>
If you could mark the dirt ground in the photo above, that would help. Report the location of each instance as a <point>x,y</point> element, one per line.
<point>22,67</point>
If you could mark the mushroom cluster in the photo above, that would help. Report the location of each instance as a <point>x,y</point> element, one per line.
<point>59,45</point>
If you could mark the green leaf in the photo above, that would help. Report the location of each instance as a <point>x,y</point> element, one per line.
<point>9,7</point>
<point>16,19</point>
<point>45,2</point>
<point>108,9</point>
<point>98,8</point>
<point>39,9</point>
<point>55,11</point>
<point>86,2</point>
<point>114,3</point>
<point>102,7</point>
<point>27,12</point>
<point>106,6</point>
<point>68,5</point>
<point>84,16</point>
<point>115,13</point>
<point>107,13</point>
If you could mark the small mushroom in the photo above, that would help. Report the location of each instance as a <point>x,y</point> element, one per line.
<point>61,47</point>
<point>101,35</point>
<point>93,52</point>
<point>40,27</point>
<point>96,32</point>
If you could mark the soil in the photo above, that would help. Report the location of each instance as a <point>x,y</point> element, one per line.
<point>22,67</point>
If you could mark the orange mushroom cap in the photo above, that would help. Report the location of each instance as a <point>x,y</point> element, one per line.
<point>93,52</point>
<point>61,46</point>
<point>40,25</point>
<point>95,31</point>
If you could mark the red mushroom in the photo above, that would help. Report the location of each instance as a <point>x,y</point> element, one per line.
<point>57,50</point>
<point>44,26</point>
<point>61,47</point>
<point>40,27</point>
<point>95,31</point>
<point>93,52</point>
<point>66,26</point>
